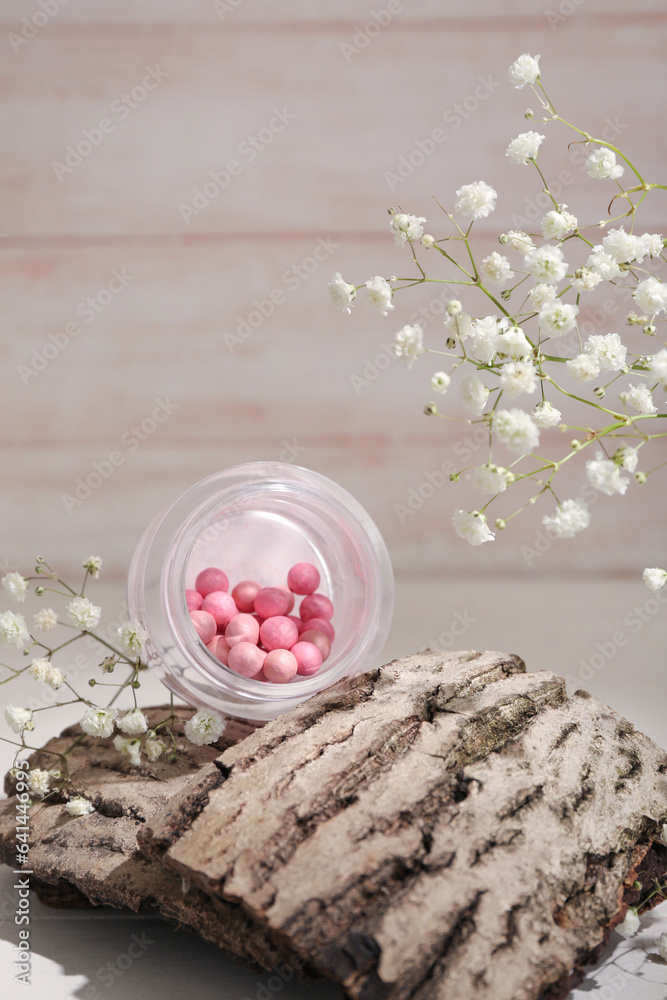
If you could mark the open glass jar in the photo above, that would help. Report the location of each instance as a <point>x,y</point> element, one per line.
<point>254,522</point>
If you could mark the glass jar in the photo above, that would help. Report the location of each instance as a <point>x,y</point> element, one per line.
<point>254,522</point>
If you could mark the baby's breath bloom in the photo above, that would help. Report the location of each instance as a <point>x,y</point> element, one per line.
<point>583,368</point>
<point>558,318</point>
<point>205,726</point>
<point>474,394</point>
<point>38,782</point>
<point>525,147</point>
<point>626,457</point>
<point>520,241</point>
<point>524,70</point>
<point>42,670</point>
<point>459,325</point>
<point>45,619</point>
<point>623,247</point>
<point>651,296</point>
<point>13,630</point>
<point>517,377</point>
<point>475,201</point>
<point>83,614</point>
<point>601,263</point>
<point>640,399</point>
<point>19,719</point>
<point>98,721</point>
<point>342,294</point>
<point>541,295</point>
<point>490,479</point>
<point>131,747</point>
<point>79,806</point>
<point>658,363</point>
<point>605,475</point>
<point>556,225</point>
<point>472,526</point>
<point>406,228</point>
<point>601,164</point>
<point>513,343</point>
<point>379,294</point>
<point>409,343</point>
<point>547,264</point>
<point>651,244</point>
<point>608,350</point>
<point>629,925</point>
<point>496,269</point>
<point>440,382</point>
<point>133,722</point>
<point>546,415</point>
<point>483,338</point>
<point>516,429</point>
<point>154,749</point>
<point>654,578</point>
<point>585,280</point>
<point>569,518</point>
<point>16,586</point>
<point>131,637</point>
<point>93,564</point>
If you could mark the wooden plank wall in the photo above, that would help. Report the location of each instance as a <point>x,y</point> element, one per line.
<point>339,115</point>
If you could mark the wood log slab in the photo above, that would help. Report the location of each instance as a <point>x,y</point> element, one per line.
<point>445,826</point>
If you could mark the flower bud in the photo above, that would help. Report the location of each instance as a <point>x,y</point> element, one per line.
<point>92,682</point>
<point>503,238</point>
<point>640,477</point>
<point>500,524</point>
<point>599,391</point>
<point>650,330</point>
<point>454,307</point>
<point>39,591</point>
<point>529,114</point>
<point>454,477</point>
<point>575,445</point>
<point>450,343</point>
<point>430,409</point>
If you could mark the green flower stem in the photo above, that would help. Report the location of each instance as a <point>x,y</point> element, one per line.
<point>544,181</point>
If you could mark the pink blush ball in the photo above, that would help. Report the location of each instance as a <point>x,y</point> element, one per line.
<point>194,600</point>
<point>211,579</point>
<point>221,606</point>
<point>308,658</point>
<point>204,624</point>
<point>318,639</point>
<point>271,602</point>
<point>280,666</point>
<point>220,648</point>
<point>304,578</point>
<point>297,621</point>
<point>278,633</point>
<point>316,606</point>
<point>244,594</point>
<point>242,628</point>
<point>246,658</point>
<point>290,598</point>
<point>322,625</point>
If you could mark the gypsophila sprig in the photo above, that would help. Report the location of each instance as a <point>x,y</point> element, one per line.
<point>523,323</point>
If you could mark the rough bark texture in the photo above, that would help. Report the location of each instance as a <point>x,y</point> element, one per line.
<point>446,826</point>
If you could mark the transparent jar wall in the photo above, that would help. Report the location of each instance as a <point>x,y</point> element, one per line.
<point>254,522</point>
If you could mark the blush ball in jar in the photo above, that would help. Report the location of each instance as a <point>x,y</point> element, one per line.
<point>260,586</point>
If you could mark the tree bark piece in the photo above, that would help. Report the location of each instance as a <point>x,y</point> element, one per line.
<point>448,825</point>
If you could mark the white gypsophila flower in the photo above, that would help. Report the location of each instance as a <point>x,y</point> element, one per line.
<point>379,294</point>
<point>524,70</point>
<point>42,670</point>
<point>608,349</point>
<point>583,368</point>
<point>38,782</point>
<point>496,269</point>
<point>651,244</point>
<point>16,586</point>
<point>547,264</point>
<point>490,479</point>
<point>154,749</point>
<point>409,343</point>
<point>79,806</point>
<point>516,429</point>
<point>406,228</point>
<point>83,614</point>
<point>546,415</point>
<point>474,394</point>
<point>629,925</point>
<point>585,280</point>
<point>428,241</point>
<point>45,620</point>
<point>622,247</point>
<point>558,318</point>
<point>651,296</point>
<point>556,225</point>
<point>440,382</point>
<point>640,399</point>
<point>131,637</point>
<point>204,727</point>
<point>98,721</point>
<point>658,366</point>
<point>454,307</point>
<point>342,295</point>
<point>13,630</point>
<point>482,340</point>
<point>93,564</point>
<point>599,262</point>
<point>475,201</point>
<point>654,578</point>
<point>662,946</point>
<point>541,295</point>
<point>133,722</point>
<point>19,719</point>
<point>569,518</point>
<point>525,147</point>
<point>626,457</point>
<point>131,747</point>
<point>520,241</point>
<point>513,343</point>
<point>517,377</point>
<point>601,164</point>
<point>472,527</point>
<point>459,325</point>
<point>604,475</point>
